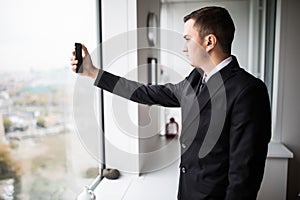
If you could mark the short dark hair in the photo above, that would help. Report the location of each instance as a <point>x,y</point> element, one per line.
<point>214,20</point>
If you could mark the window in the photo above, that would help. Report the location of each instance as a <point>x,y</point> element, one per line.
<point>40,153</point>
<point>270,44</point>
<point>262,41</point>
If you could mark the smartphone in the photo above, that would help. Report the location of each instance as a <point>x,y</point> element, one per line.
<point>78,55</point>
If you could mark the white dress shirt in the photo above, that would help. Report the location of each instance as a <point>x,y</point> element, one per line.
<point>220,66</point>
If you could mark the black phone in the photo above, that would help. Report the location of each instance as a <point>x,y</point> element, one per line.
<point>78,55</point>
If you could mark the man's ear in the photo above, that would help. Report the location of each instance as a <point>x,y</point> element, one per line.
<point>210,42</point>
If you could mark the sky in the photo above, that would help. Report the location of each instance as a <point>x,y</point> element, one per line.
<point>37,34</point>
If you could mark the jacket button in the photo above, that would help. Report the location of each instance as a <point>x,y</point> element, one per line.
<point>183,146</point>
<point>183,170</point>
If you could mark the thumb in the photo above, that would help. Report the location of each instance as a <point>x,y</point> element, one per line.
<point>85,50</point>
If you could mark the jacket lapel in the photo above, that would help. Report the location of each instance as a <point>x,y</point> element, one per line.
<point>214,85</point>
<point>216,82</point>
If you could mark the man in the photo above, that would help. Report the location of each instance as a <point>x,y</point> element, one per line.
<point>222,155</point>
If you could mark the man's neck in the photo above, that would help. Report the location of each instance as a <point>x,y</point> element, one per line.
<point>214,61</point>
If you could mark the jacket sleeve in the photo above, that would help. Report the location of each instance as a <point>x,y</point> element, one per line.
<point>167,95</point>
<point>250,133</point>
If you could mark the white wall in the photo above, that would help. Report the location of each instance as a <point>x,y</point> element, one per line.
<point>119,17</point>
<point>289,89</point>
<point>125,53</point>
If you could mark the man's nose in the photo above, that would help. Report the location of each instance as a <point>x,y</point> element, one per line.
<point>184,49</point>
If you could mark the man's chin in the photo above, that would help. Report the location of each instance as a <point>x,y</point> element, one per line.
<point>195,66</point>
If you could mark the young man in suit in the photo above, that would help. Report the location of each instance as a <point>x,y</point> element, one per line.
<point>226,117</point>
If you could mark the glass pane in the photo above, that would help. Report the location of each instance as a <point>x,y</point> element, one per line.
<point>270,44</point>
<point>41,156</point>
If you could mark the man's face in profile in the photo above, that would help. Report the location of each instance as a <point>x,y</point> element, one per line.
<point>194,47</point>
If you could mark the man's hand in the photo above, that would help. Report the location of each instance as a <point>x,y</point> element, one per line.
<point>88,68</point>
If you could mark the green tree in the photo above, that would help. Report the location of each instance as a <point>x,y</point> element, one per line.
<point>6,123</point>
<point>41,122</point>
<point>8,167</point>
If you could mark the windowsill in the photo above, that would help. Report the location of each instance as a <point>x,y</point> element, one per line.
<point>160,184</point>
<point>131,186</point>
<point>279,150</point>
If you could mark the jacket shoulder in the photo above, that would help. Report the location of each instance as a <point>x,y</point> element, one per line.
<point>244,79</point>
<point>242,82</point>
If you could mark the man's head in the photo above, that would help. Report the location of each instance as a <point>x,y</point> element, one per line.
<point>210,27</point>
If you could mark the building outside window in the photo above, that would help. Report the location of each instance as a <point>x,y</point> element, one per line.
<point>41,156</point>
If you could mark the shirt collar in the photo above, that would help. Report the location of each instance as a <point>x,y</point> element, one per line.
<point>220,66</point>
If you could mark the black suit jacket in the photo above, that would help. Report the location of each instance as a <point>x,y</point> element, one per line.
<point>226,128</point>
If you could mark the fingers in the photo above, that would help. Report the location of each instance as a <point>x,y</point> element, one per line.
<point>74,62</point>
<point>74,67</point>
<point>73,58</point>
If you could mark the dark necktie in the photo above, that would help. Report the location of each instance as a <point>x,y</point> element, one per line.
<point>202,84</point>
